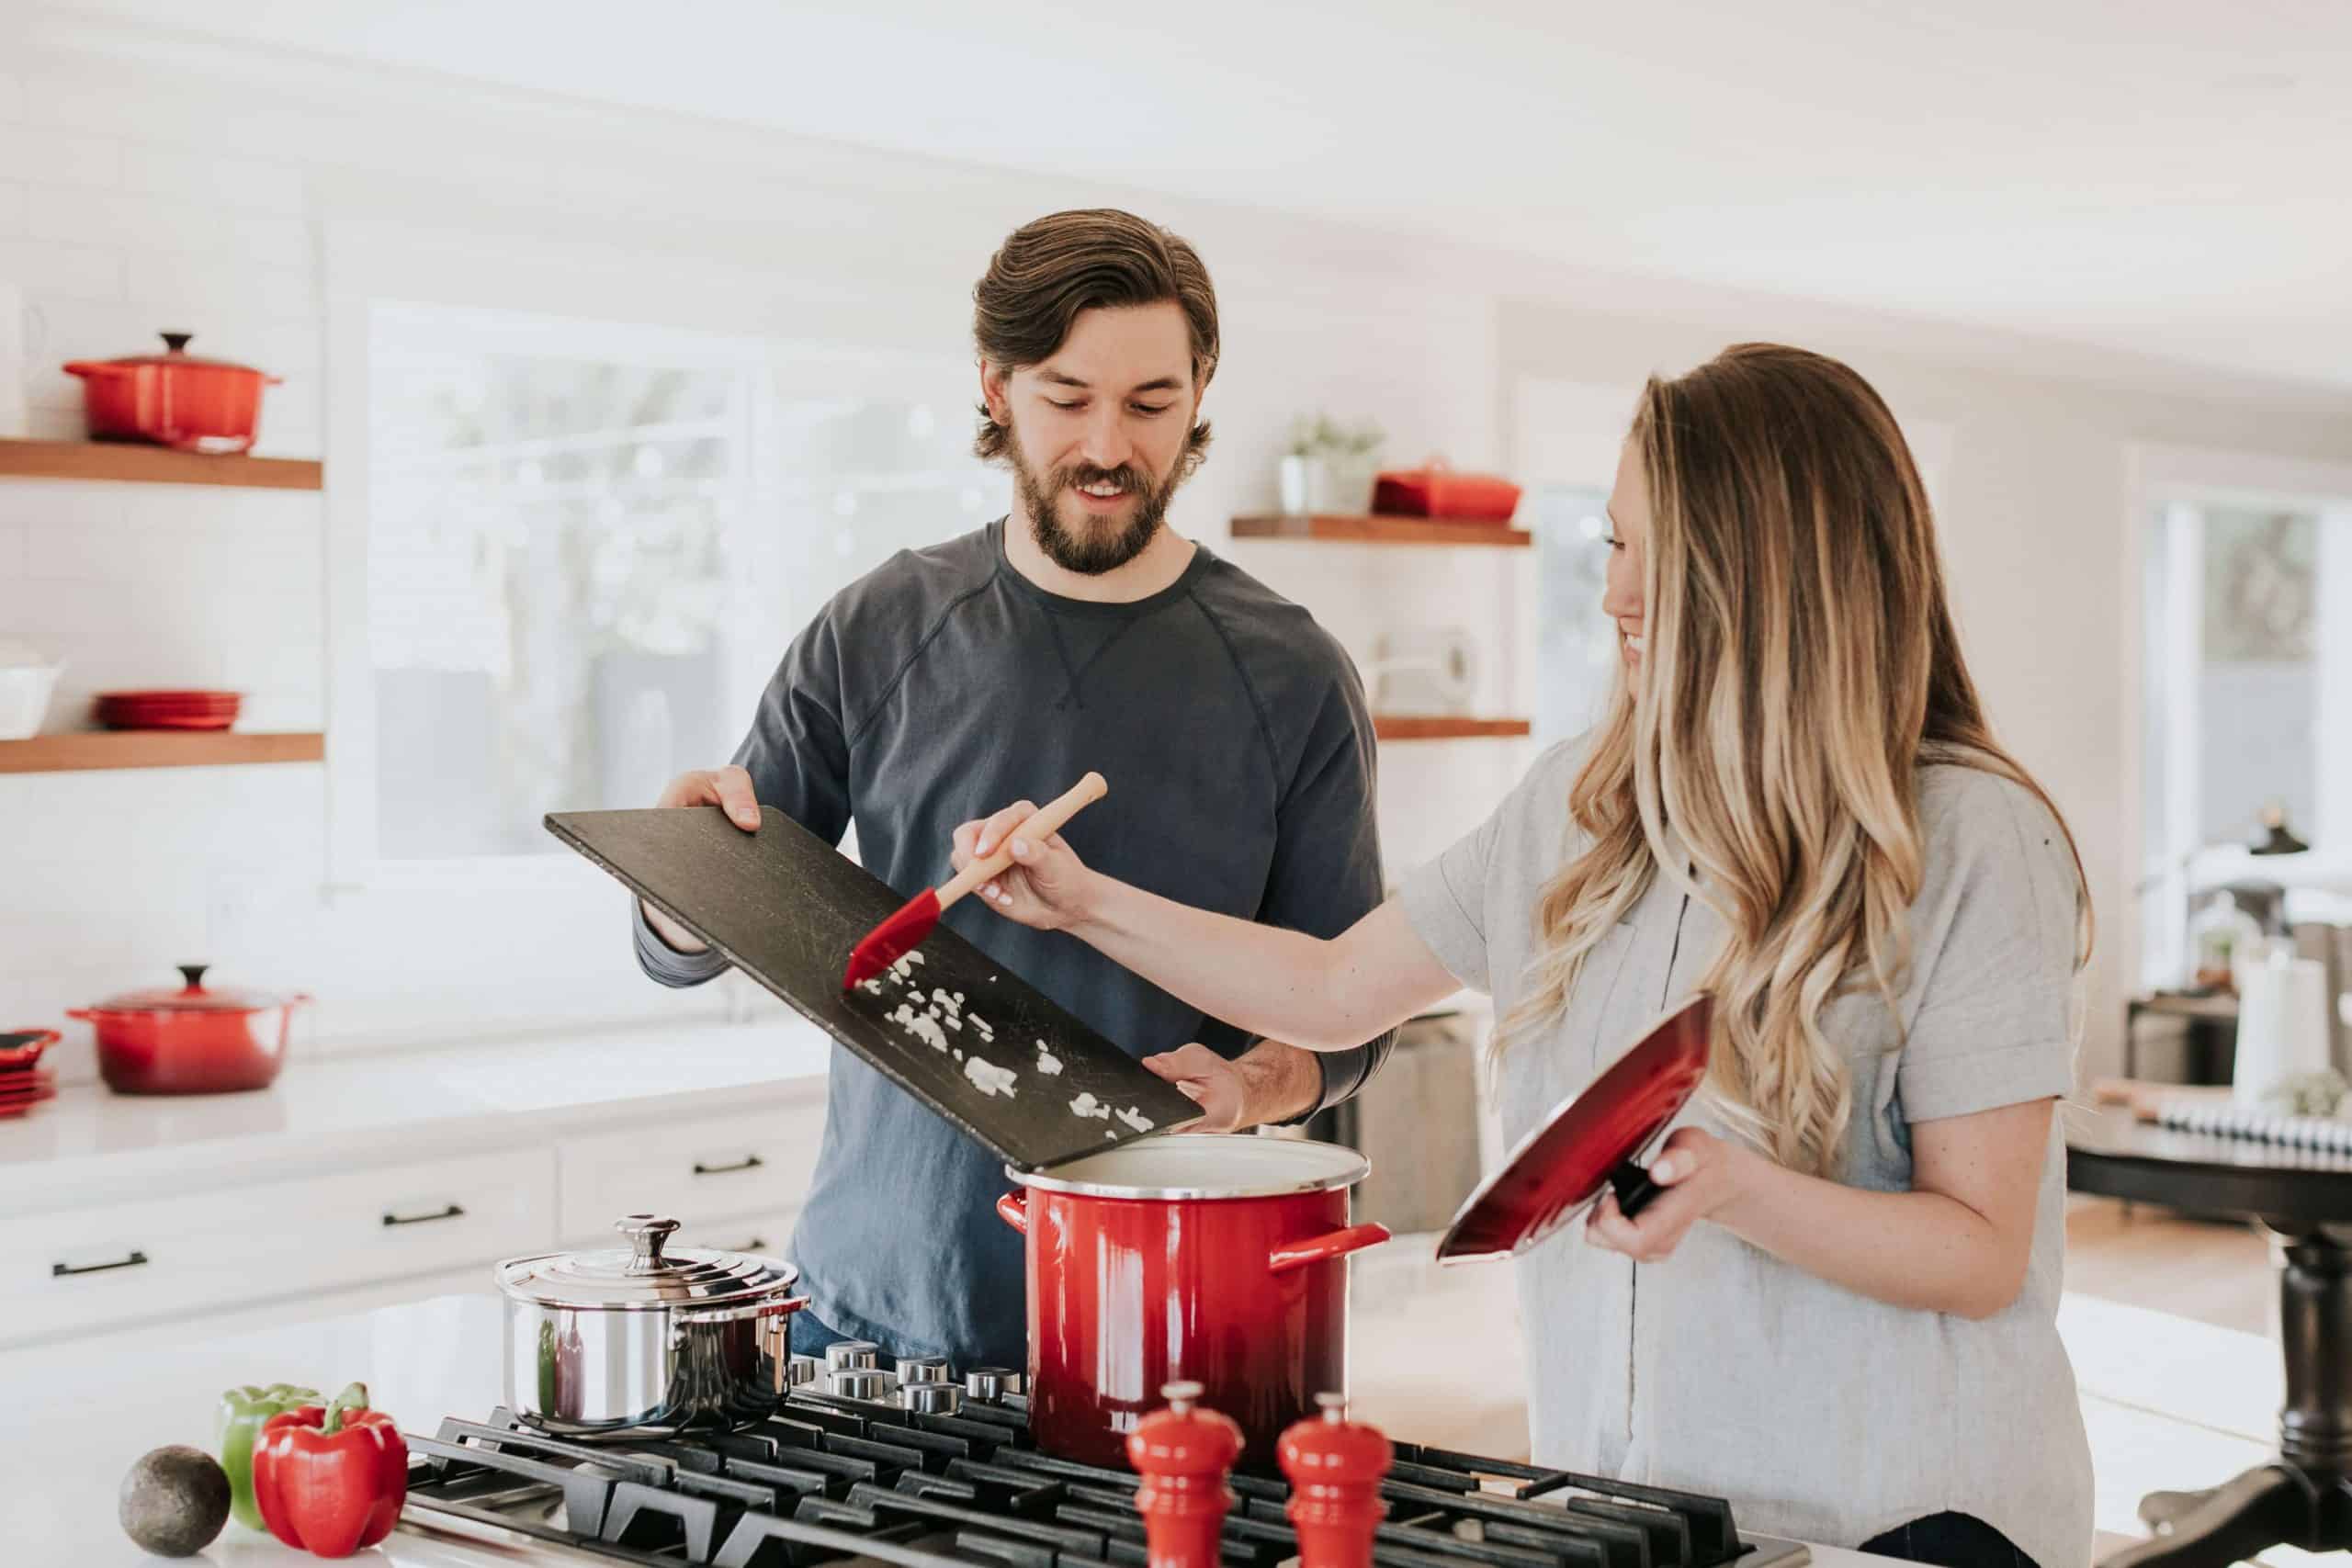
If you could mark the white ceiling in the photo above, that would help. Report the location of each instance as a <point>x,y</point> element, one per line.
<point>2170,177</point>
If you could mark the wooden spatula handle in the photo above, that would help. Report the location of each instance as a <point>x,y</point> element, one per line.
<point>1045,822</point>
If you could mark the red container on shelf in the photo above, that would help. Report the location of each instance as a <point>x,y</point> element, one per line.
<point>192,1039</point>
<point>1436,490</point>
<point>173,399</point>
<point>1219,1260</point>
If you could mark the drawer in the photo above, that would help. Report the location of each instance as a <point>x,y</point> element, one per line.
<point>768,1232</point>
<point>76,1269</point>
<point>712,1167</point>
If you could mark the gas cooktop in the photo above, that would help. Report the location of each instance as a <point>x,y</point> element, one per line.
<point>957,1483</point>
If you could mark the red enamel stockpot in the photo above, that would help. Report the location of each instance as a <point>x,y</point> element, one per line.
<point>190,1039</point>
<point>174,399</point>
<point>1218,1259</point>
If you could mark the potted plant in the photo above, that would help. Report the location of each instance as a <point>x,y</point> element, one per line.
<point>1329,466</point>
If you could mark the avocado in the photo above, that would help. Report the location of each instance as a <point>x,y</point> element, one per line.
<point>175,1500</point>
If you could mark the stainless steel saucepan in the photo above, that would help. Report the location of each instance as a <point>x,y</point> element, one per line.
<point>643,1341</point>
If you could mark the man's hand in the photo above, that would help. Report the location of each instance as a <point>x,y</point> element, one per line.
<point>729,788</point>
<point>1272,1082</point>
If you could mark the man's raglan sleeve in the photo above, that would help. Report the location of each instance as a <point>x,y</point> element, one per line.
<point>1325,874</point>
<point>797,755</point>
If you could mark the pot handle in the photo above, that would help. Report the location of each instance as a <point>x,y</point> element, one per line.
<point>1014,1212</point>
<point>1322,1248</point>
<point>87,368</point>
<point>86,1015</point>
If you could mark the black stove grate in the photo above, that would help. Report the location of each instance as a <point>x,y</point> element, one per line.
<point>831,1480</point>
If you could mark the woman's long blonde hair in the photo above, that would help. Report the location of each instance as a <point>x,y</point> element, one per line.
<point>1800,666</point>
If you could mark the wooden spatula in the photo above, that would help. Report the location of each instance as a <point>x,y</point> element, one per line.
<point>904,932</point>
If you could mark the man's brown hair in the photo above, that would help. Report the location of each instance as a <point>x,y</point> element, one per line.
<point>1049,271</point>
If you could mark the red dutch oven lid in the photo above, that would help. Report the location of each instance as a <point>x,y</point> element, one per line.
<point>174,354</point>
<point>195,997</point>
<point>1591,1140</point>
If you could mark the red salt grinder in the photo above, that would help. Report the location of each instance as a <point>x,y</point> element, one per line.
<point>1183,1454</point>
<point>1335,1467</point>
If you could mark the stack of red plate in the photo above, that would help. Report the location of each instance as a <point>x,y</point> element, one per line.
<point>168,710</point>
<point>22,1085</point>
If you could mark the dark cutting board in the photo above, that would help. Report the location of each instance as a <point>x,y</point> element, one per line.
<point>785,906</point>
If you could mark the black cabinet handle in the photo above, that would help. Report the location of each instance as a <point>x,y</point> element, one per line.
<point>451,1212</point>
<point>757,1244</point>
<point>748,1162</point>
<point>59,1270</point>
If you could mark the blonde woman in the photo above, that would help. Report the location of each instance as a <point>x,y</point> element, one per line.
<point>1841,1311</point>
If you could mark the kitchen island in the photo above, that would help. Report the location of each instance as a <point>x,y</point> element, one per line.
<point>78,1414</point>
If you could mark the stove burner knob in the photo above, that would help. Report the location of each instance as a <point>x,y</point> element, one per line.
<point>931,1398</point>
<point>803,1370</point>
<point>922,1369</point>
<point>1335,1467</point>
<point>847,1355</point>
<point>1182,1453</point>
<point>989,1384</point>
<point>864,1382</point>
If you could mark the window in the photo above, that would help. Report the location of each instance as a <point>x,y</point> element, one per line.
<point>2247,650</point>
<point>586,547</point>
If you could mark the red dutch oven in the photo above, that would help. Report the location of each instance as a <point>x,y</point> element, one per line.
<point>1219,1260</point>
<point>192,1039</point>
<point>173,399</point>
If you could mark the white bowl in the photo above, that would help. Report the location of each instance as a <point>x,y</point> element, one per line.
<point>24,698</point>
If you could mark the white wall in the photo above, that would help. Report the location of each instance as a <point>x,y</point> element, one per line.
<point>134,197</point>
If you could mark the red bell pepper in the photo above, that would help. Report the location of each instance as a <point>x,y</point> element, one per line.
<point>331,1481</point>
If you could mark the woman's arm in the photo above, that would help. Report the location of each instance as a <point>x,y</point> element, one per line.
<point>1958,1242</point>
<point>1284,985</point>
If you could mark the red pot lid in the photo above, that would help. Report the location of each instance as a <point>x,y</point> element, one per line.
<point>1559,1170</point>
<point>195,997</point>
<point>175,353</point>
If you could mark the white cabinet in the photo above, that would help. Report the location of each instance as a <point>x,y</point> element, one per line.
<point>701,1171</point>
<point>391,1179</point>
<point>79,1269</point>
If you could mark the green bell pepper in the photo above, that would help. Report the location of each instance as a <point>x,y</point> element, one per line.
<point>236,1423</point>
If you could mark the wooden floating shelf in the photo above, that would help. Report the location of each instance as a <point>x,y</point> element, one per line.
<point>1377,530</point>
<point>82,750</point>
<point>154,465</point>
<point>1402,727</point>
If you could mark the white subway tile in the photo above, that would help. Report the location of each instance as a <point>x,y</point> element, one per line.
<point>12,553</point>
<point>70,272</point>
<point>14,210</point>
<point>53,213</point>
<point>12,97</point>
<point>253,184</point>
<point>176,286</point>
<point>44,423</point>
<point>59,157</point>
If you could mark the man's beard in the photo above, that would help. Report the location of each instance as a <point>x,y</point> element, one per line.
<point>1092,553</point>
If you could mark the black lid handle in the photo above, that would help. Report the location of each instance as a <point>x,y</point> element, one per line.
<point>195,973</point>
<point>177,341</point>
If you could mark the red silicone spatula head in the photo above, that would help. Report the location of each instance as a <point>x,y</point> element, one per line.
<point>893,939</point>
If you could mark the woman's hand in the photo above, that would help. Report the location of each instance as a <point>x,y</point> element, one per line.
<point>1047,884</point>
<point>1208,1080</point>
<point>1701,1173</point>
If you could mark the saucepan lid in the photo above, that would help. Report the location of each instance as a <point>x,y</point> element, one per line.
<point>644,1276</point>
<point>1591,1140</point>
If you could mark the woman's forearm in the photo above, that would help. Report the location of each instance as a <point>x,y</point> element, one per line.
<point>1285,985</point>
<point>1913,1249</point>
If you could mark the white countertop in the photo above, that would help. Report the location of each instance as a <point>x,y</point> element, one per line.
<point>90,1141</point>
<point>77,1417</point>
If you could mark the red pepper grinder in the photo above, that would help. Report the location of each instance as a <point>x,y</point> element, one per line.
<point>1183,1454</point>
<point>1335,1467</point>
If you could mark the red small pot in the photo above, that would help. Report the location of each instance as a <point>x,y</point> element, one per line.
<point>191,1041</point>
<point>1219,1260</point>
<point>173,399</point>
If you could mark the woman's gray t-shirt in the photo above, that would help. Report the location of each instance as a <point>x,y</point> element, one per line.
<point>1820,1413</point>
